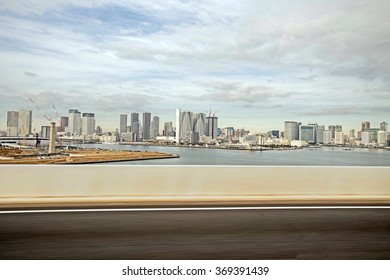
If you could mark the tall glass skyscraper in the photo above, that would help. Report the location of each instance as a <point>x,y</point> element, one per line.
<point>212,126</point>
<point>146,118</point>
<point>199,123</point>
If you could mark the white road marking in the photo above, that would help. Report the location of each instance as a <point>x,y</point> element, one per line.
<point>81,210</point>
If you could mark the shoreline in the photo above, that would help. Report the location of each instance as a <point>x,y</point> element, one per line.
<point>82,156</point>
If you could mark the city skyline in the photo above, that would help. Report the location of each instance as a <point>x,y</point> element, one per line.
<point>256,65</point>
<point>191,121</point>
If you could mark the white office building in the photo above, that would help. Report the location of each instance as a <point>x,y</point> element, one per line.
<point>88,124</point>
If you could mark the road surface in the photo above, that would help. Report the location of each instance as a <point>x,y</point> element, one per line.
<point>219,234</point>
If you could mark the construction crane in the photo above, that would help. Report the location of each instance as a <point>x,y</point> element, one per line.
<point>40,111</point>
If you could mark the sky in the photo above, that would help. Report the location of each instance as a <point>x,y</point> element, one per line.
<point>254,63</point>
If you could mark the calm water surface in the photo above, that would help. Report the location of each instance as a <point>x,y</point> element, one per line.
<point>325,156</point>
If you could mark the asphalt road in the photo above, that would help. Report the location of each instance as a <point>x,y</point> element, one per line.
<point>230,234</point>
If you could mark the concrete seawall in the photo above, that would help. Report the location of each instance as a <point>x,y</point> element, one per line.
<point>86,184</point>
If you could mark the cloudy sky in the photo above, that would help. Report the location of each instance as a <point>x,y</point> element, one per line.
<point>255,63</point>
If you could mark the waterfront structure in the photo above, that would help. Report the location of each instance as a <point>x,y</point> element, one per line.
<point>211,126</point>
<point>382,138</point>
<point>291,130</point>
<point>320,134</point>
<point>25,123</point>
<point>74,122</point>
<point>366,138</point>
<point>155,127</point>
<point>339,138</point>
<point>123,123</point>
<point>334,128</point>
<point>374,133</point>
<point>365,125</point>
<point>12,123</point>
<point>308,133</point>
<point>327,137</point>
<point>88,124</point>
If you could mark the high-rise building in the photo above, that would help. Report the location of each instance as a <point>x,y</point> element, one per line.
<point>177,126</point>
<point>168,129</point>
<point>99,130</point>
<point>199,123</point>
<point>135,127</point>
<point>382,138</point>
<point>146,121</point>
<point>384,127</point>
<point>320,134</point>
<point>74,122</point>
<point>25,123</point>
<point>134,118</point>
<point>64,122</point>
<point>339,138</point>
<point>12,123</point>
<point>351,134</point>
<point>334,128</point>
<point>308,133</point>
<point>186,125</point>
<point>155,128</point>
<point>291,130</point>
<point>211,126</point>
<point>365,125</point>
<point>88,124</point>
<point>366,137</point>
<point>327,137</point>
<point>123,123</point>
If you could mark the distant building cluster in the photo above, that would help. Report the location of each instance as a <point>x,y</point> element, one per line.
<point>196,129</point>
<point>136,130</point>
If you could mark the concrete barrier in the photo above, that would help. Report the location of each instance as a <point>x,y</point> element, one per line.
<point>89,183</point>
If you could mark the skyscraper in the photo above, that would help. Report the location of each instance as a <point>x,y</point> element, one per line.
<point>12,123</point>
<point>211,126</point>
<point>177,126</point>
<point>308,133</point>
<point>186,125</point>
<point>74,122</point>
<point>146,118</point>
<point>320,134</point>
<point>154,131</point>
<point>384,127</point>
<point>25,123</point>
<point>123,123</point>
<point>168,129</point>
<point>64,124</point>
<point>135,126</point>
<point>365,125</point>
<point>88,124</point>
<point>199,123</point>
<point>291,130</point>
